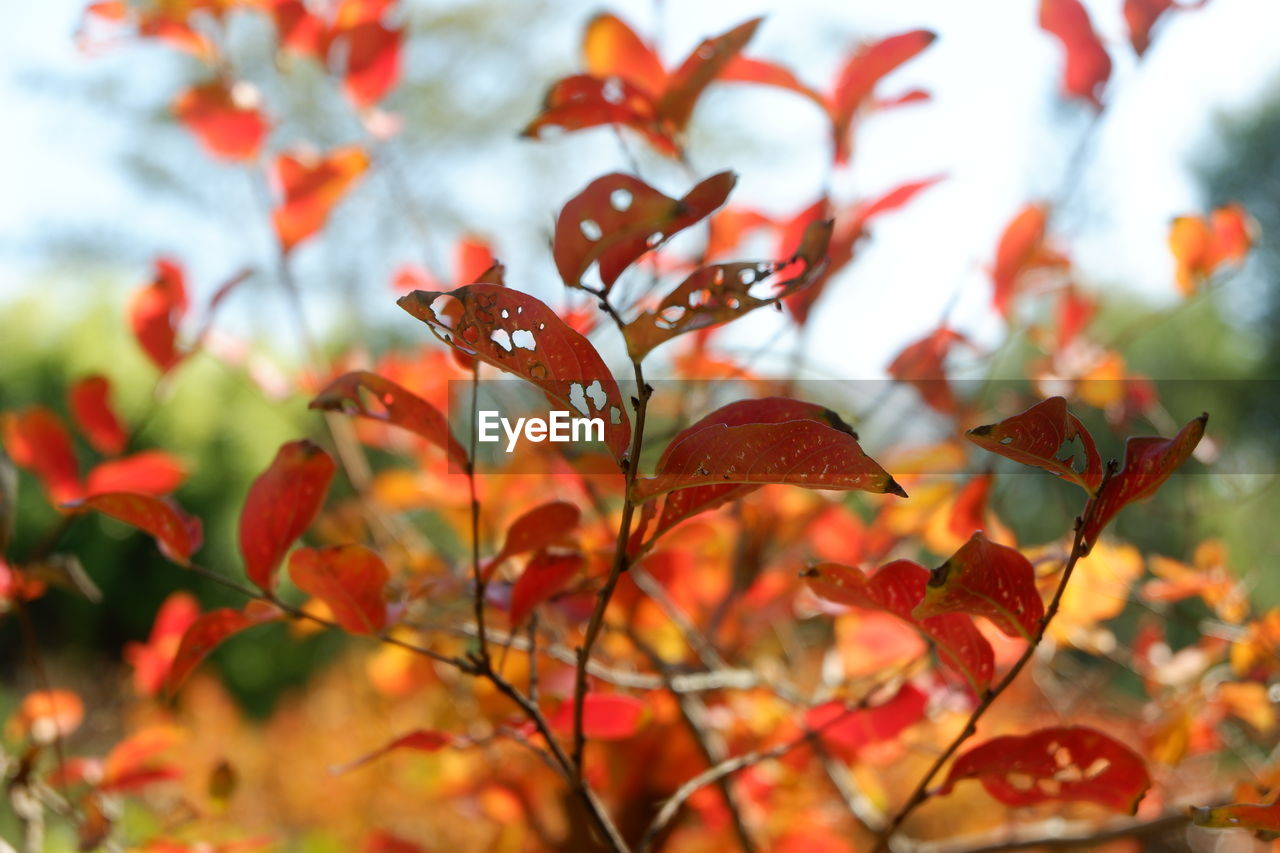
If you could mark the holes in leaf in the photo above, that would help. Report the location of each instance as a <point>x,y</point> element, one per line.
<point>612,91</point>
<point>596,392</point>
<point>590,229</point>
<point>620,199</point>
<point>1096,768</point>
<point>699,298</point>
<point>1007,440</point>
<point>524,339</point>
<point>502,338</point>
<point>615,415</point>
<point>1071,452</point>
<point>470,334</point>
<point>1020,781</point>
<point>654,239</point>
<point>578,398</point>
<point>669,317</point>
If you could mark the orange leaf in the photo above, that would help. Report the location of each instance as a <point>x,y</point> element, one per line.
<point>582,101</point>
<point>151,660</point>
<point>370,395</point>
<point>282,503</point>
<point>858,79</point>
<point>373,61</point>
<point>1088,65</point>
<point>224,118</point>
<point>1021,249</point>
<point>611,48</point>
<point>156,311</point>
<point>538,528</point>
<point>90,402</point>
<point>151,472</point>
<point>49,714</point>
<point>206,634</point>
<point>177,534</point>
<point>36,440</point>
<point>704,64</point>
<point>349,579</point>
<point>618,218</point>
<point>922,363</point>
<point>970,507</point>
<point>517,333</point>
<point>1054,765</point>
<point>1259,817</point>
<point>131,763</point>
<point>421,740</point>
<point>311,187</point>
<point>1045,436</point>
<point>605,716</point>
<point>1148,462</point>
<point>544,575</point>
<point>986,579</point>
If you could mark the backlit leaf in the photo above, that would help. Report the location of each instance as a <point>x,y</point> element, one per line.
<point>986,579</point>
<point>1064,764</point>
<point>517,333</point>
<point>152,660</point>
<point>310,186</point>
<point>849,731</point>
<point>422,740</point>
<point>704,64</point>
<point>922,363</point>
<point>372,50</point>
<point>155,312</point>
<point>1148,462</point>
<point>1020,248</point>
<point>90,402</point>
<point>1088,66</point>
<point>858,79</point>
<point>546,574</point>
<point>1045,436</point>
<point>36,440</point>
<point>349,579</point>
<point>177,534</point>
<point>225,119</point>
<point>206,634</point>
<point>370,395</point>
<point>282,503</point>
<point>151,472</point>
<point>538,528</point>
<point>610,47</point>
<point>583,101</point>
<point>605,716</point>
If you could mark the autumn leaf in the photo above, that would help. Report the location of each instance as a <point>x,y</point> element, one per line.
<point>986,579</point>
<point>1148,462</point>
<point>611,48</point>
<point>517,333</point>
<point>850,730</point>
<point>422,740</point>
<point>155,312</point>
<point>45,715</point>
<point>150,472</point>
<point>1088,66</point>
<point>605,716</point>
<point>1259,817</point>
<point>1045,436</point>
<point>1020,250</point>
<point>177,534</point>
<point>688,81</point>
<point>36,440</point>
<point>225,118</point>
<point>1141,16</point>
<point>536,529</point>
<point>617,218</point>
<point>349,579</point>
<point>89,399</point>
<point>372,50</point>
<point>208,632</point>
<point>1061,764</point>
<point>152,660</point>
<point>372,396</point>
<point>1202,246</point>
<point>282,503</point>
<point>310,187</point>
<point>134,763</point>
<point>922,363</point>
<point>717,294</point>
<point>546,574</point>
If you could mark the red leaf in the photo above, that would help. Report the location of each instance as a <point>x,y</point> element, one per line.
<point>544,575</point>
<point>719,293</point>
<point>618,218</point>
<point>923,365</point>
<point>858,78</point>
<point>282,503</point>
<point>1055,765</point>
<point>151,660</point>
<point>373,60</point>
<point>1045,436</point>
<point>795,452</point>
<point>583,101</point>
<point>986,579</point>
<point>370,395</point>
<point>849,731</point>
<point>1148,462</point>
<point>1259,817</point>
<point>311,186</point>
<point>36,440</point>
<point>703,65</point>
<point>90,402</point>
<point>177,534</point>
<point>155,312</point>
<point>1021,246</point>
<point>970,506</point>
<point>1088,66</point>
<point>962,648</point>
<point>349,579</point>
<point>206,634</point>
<point>421,740</point>
<point>517,333</point>
<point>605,716</point>
<point>224,118</point>
<point>538,528</point>
<point>611,48</point>
<point>151,472</point>
<point>131,763</point>
<point>473,257</point>
<point>744,70</point>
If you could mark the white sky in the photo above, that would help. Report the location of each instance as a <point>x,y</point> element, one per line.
<point>995,126</point>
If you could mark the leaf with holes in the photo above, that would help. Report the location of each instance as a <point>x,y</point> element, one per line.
<point>349,579</point>
<point>1148,461</point>
<point>546,574</point>
<point>1259,817</point>
<point>719,293</point>
<point>618,218</point>
<point>36,440</point>
<point>151,472</point>
<point>282,503</point>
<point>177,534</point>
<point>371,396</point>
<point>583,101</point>
<point>684,503</point>
<point>310,187</point>
<point>1067,764</point>
<point>1088,66</point>
<point>155,312</point>
<point>986,579</point>
<point>798,452</point>
<point>1045,436</point>
<point>90,402</point>
<point>208,632</point>
<point>422,740</point>
<point>517,333</point>
<point>225,119</point>
<point>605,716</point>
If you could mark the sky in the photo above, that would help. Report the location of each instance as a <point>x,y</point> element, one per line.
<point>995,127</point>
